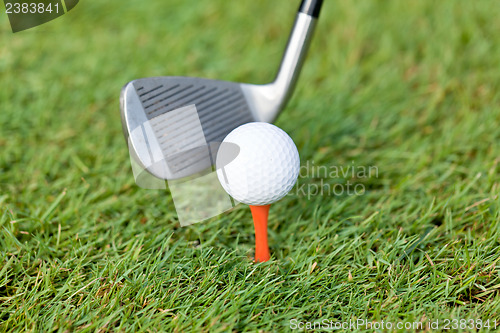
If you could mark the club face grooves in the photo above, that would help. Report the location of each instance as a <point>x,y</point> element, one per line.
<point>230,103</point>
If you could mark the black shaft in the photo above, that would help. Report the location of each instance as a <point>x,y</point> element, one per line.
<point>311,7</point>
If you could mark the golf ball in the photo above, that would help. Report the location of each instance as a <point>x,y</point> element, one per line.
<point>264,169</point>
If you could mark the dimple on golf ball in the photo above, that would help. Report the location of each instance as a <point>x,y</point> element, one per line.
<point>264,170</point>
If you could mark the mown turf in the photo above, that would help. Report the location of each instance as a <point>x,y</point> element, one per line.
<point>410,87</point>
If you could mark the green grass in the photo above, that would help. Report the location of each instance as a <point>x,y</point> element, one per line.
<point>411,87</point>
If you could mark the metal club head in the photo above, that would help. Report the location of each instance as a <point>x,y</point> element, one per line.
<point>173,124</point>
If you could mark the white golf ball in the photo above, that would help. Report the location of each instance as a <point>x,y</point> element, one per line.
<point>265,168</point>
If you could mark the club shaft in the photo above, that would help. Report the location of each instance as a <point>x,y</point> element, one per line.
<point>297,46</point>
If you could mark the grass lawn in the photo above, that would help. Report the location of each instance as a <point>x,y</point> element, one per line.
<point>410,88</point>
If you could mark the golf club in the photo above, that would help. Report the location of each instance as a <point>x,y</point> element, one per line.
<point>171,123</point>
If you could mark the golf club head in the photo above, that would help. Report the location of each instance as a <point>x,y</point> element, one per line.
<point>173,124</point>
<point>170,122</point>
